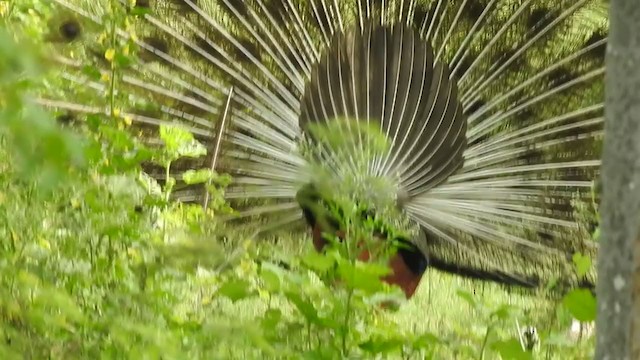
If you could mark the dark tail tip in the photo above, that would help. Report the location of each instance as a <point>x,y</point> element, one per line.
<point>66,31</point>
<point>143,4</point>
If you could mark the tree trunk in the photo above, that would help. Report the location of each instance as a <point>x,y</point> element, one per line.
<point>618,289</point>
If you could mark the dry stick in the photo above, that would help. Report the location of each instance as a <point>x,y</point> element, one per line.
<point>216,149</point>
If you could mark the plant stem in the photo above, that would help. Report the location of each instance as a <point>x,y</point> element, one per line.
<point>345,326</point>
<point>484,342</point>
<point>167,176</point>
<point>112,84</point>
<point>347,318</point>
<point>167,195</point>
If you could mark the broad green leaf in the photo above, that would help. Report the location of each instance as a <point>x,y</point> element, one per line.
<point>122,60</point>
<point>511,350</point>
<point>330,322</point>
<point>271,319</point>
<point>426,341</point>
<point>305,307</point>
<point>552,283</point>
<point>179,142</point>
<point>582,263</point>
<point>92,72</point>
<point>193,150</point>
<point>196,176</point>
<point>382,346</point>
<point>363,276</point>
<point>149,184</point>
<point>468,297</point>
<point>174,136</point>
<point>270,279</point>
<point>223,180</point>
<point>261,342</point>
<point>236,290</point>
<point>319,263</point>
<point>581,304</point>
<point>503,312</point>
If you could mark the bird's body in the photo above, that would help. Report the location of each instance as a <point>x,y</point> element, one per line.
<point>407,264</point>
<point>491,111</point>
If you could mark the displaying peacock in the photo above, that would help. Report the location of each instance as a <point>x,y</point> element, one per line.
<point>478,123</point>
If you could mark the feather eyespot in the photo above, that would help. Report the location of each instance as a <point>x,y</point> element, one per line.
<point>70,30</point>
<point>65,119</point>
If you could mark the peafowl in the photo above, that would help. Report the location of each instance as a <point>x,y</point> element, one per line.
<point>476,123</point>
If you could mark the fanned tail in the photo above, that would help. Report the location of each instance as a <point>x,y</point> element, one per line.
<point>492,109</point>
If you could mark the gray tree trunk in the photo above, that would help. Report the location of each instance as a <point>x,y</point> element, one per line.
<point>618,289</point>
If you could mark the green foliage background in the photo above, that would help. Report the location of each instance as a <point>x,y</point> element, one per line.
<point>98,263</point>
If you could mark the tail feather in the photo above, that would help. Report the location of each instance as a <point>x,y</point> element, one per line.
<point>368,75</point>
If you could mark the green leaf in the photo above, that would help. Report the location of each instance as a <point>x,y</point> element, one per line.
<point>552,283</point>
<point>122,60</point>
<point>149,184</point>
<point>271,319</point>
<point>581,304</point>
<point>582,263</point>
<point>511,350</point>
<point>331,323</point>
<point>270,279</point>
<point>170,182</point>
<point>180,142</point>
<point>174,136</point>
<point>196,176</point>
<point>362,276</point>
<point>193,150</point>
<point>468,297</point>
<point>92,72</point>
<point>223,180</point>
<point>260,341</point>
<point>319,263</point>
<point>382,346</point>
<point>236,290</point>
<point>502,313</point>
<point>305,307</point>
<point>426,341</point>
